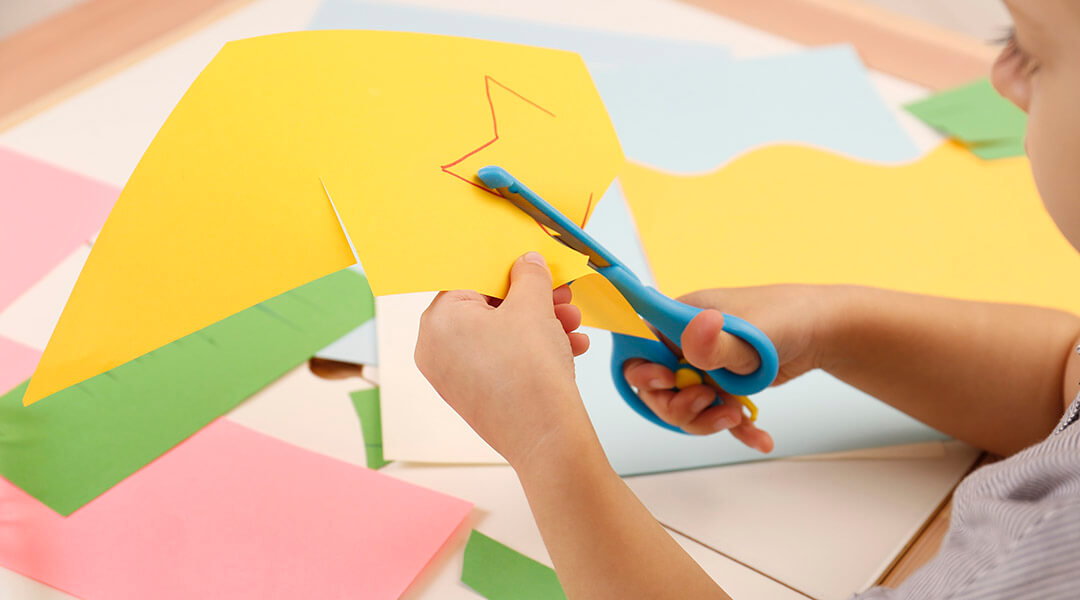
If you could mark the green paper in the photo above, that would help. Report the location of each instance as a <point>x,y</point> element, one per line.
<point>998,149</point>
<point>72,446</point>
<point>975,114</point>
<point>367,408</point>
<point>499,573</point>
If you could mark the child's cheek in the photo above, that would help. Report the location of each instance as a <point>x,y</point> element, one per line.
<point>1053,145</point>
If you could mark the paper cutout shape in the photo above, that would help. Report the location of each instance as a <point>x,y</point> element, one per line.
<point>948,224</point>
<point>47,213</point>
<point>976,115</point>
<point>500,573</point>
<point>226,514</point>
<point>229,206</point>
<point>367,408</point>
<point>16,363</point>
<point>68,452</point>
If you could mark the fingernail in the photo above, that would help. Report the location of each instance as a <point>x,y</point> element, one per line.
<point>701,402</point>
<point>657,384</point>
<point>723,423</point>
<point>536,258</point>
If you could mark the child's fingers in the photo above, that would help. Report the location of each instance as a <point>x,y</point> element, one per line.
<point>726,415</point>
<point>646,376</point>
<point>455,299</point>
<point>657,401</point>
<point>579,343</point>
<point>562,295</point>
<point>569,315</point>
<point>685,406</point>
<point>748,433</point>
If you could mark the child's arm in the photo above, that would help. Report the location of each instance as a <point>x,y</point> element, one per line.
<point>509,372</point>
<point>993,375</point>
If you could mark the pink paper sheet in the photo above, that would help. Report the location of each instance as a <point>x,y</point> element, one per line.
<point>17,362</point>
<point>233,513</point>
<point>45,213</point>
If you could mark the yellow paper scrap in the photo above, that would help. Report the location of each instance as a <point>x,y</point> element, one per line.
<point>227,206</point>
<point>948,224</point>
<point>602,306</point>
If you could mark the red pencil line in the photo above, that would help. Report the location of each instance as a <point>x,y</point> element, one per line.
<point>488,80</point>
<point>588,208</point>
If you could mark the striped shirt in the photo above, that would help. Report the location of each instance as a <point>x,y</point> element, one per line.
<point>1014,532</point>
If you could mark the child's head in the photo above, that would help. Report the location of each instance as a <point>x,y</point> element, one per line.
<point>1040,71</point>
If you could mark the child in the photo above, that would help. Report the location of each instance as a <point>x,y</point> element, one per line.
<point>1000,377</point>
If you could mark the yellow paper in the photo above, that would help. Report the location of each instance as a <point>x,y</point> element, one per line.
<point>949,224</point>
<point>602,306</point>
<point>227,207</point>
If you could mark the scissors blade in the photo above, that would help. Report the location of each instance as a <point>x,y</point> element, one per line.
<point>557,231</point>
<point>565,231</point>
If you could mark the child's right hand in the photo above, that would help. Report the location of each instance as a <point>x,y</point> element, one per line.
<point>798,320</point>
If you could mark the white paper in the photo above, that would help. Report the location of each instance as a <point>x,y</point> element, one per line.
<point>31,318</point>
<point>306,410</point>
<point>827,528</point>
<point>502,512</point>
<point>417,424</point>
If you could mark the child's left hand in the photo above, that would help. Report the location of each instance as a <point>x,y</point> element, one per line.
<point>508,367</point>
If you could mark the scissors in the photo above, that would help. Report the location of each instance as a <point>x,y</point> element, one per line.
<point>668,316</point>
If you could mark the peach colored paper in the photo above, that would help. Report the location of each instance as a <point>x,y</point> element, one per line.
<point>232,513</point>
<point>46,212</point>
<point>17,362</point>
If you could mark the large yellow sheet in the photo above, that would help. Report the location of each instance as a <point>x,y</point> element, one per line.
<point>227,207</point>
<point>949,224</point>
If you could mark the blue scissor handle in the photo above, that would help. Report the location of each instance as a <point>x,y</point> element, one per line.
<point>625,347</point>
<point>670,317</point>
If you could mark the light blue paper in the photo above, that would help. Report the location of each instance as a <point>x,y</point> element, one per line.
<point>598,48</point>
<point>815,413</point>
<point>690,108</point>
<point>694,117</point>
<point>359,346</point>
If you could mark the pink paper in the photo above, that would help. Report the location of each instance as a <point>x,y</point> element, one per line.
<point>45,213</point>
<point>17,362</point>
<point>233,513</point>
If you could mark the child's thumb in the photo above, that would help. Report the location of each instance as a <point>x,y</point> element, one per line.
<point>530,283</point>
<point>707,346</point>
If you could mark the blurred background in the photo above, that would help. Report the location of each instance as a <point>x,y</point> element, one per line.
<point>983,19</point>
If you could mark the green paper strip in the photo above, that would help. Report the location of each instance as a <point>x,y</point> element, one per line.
<point>972,113</point>
<point>499,573</point>
<point>71,447</point>
<point>998,149</point>
<point>366,403</point>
